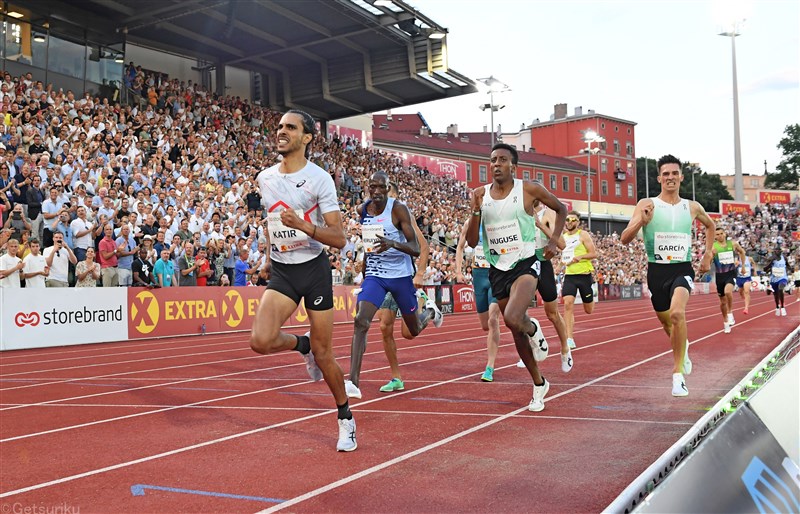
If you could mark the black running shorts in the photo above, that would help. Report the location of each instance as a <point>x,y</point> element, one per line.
<point>547,282</point>
<point>502,281</point>
<point>310,280</point>
<point>663,279</point>
<point>579,283</point>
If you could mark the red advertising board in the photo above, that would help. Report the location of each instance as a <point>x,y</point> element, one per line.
<point>439,166</point>
<point>463,298</point>
<point>784,197</point>
<point>184,310</point>
<point>726,207</point>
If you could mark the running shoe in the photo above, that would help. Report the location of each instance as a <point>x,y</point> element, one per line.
<point>488,374</point>
<point>783,311</point>
<point>744,312</point>
<point>351,389</point>
<point>687,363</point>
<point>566,362</point>
<point>520,364</point>
<point>311,365</point>
<point>537,403</point>
<point>394,384</point>
<point>356,291</point>
<point>726,327</point>
<point>571,343</point>
<point>347,435</point>
<point>777,312</point>
<point>730,319</point>
<point>679,385</point>
<point>437,318</point>
<point>538,342</point>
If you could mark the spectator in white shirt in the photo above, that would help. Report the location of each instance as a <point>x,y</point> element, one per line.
<point>11,266</point>
<point>82,233</point>
<point>35,270</point>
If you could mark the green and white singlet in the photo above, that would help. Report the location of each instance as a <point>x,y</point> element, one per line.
<point>509,233</point>
<point>668,236</point>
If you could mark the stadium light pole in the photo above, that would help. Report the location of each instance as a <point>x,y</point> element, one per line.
<point>494,86</point>
<point>589,137</point>
<point>738,179</point>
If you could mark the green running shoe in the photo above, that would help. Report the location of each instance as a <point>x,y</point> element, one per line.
<point>488,375</point>
<point>394,384</point>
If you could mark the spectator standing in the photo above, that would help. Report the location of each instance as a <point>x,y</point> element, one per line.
<point>187,266</point>
<point>11,266</point>
<point>142,269</point>
<point>87,272</point>
<point>81,233</point>
<point>108,257</point>
<point>57,258</point>
<point>126,249</point>
<point>204,271</point>
<point>164,270</point>
<point>36,270</point>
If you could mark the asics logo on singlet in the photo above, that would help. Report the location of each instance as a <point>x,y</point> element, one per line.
<point>318,300</point>
<point>300,184</point>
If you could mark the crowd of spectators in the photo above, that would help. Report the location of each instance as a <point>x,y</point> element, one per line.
<point>161,192</point>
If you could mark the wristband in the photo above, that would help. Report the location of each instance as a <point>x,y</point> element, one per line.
<point>476,213</point>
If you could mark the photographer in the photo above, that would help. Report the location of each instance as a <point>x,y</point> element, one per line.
<point>18,222</point>
<point>57,258</point>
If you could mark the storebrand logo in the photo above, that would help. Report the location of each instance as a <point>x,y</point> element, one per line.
<point>22,319</point>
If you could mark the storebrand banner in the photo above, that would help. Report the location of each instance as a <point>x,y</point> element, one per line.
<point>39,318</point>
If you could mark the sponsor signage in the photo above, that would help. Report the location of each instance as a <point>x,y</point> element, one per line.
<point>726,207</point>
<point>463,298</point>
<point>38,318</point>
<point>783,197</point>
<point>193,310</point>
<point>741,467</point>
<point>438,166</point>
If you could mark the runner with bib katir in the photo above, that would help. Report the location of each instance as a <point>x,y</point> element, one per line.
<point>666,223</point>
<point>501,212</point>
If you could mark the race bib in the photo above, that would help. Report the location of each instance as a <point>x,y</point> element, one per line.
<point>779,272</point>
<point>283,238</point>
<point>567,255</point>
<point>725,257</point>
<point>369,235</point>
<point>480,257</point>
<point>671,246</point>
<point>504,238</point>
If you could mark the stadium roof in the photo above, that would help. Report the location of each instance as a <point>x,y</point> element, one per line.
<point>333,58</point>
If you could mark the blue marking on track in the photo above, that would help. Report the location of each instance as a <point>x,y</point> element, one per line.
<point>138,490</point>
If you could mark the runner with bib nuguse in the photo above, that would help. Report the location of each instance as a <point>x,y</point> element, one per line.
<point>725,273</point>
<point>666,223</point>
<point>500,212</point>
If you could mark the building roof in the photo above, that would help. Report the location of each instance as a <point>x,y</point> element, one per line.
<point>454,147</point>
<point>332,58</point>
<point>579,117</point>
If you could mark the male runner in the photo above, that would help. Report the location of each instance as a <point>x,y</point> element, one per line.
<point>666,222</point>
<point>577,259</point>
<point>725,273</point>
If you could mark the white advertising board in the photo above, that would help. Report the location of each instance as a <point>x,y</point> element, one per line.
<point>39,318</point>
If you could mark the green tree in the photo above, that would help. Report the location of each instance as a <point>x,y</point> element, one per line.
<point>708,187</point>
<point>789,168</point>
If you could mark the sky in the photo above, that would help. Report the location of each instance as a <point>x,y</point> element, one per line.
<point>658,63</point>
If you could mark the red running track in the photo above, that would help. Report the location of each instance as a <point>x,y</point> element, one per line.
<point>205,425</point>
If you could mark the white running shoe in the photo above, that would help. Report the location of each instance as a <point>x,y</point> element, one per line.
<point>731,321</point>
<point>538,342</point>
<point>356,291</point>
<point>520,364</point>
<point>352,390</point>
<point>347,435</point>
<point>566,362</point>
<point>571,343</point>
<point>726,327</point>
<point>687,363</point>
<point>679,385</point>
<point>537,403</point>
<point>777,312</point>
<point>311,365</point>
<point>437,319</point>
<point>783,311</point>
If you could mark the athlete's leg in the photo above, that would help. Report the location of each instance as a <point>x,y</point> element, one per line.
<point>745,290</point>
<point>515,316</point>
<point>569,315</point>
<point>321,346</point>
<point>387,318</point>
<point>273,310</point>
<point>551,309</point>
<point>678,332</point>
<point>366,311</point>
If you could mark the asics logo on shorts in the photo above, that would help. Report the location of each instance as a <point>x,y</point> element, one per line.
<point>537,267</point>
<point>318,300</point>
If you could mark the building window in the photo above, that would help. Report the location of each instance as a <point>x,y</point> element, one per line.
<point>565,183</point>
<point>628,148</point>
<point>616,129</point>
<point>577,184</point>
<point>630,190</point>
<point>603,146</point>
<point>616,147</point>
<point>604,187</point>
<point>602,125</point>
<point>616,165</point>
<point>526,175</point>
<point>469,173</point>
<point>603,166</point>
<point>540,177</point>
<point>753,182</point>
<point>482,174</point>
<point>629,130</point>
<point>553,183</point>
<point>618,189</point>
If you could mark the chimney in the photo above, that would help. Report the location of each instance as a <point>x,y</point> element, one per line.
<point>423,131</point>
<point>560,111</point>
<point>484,128</point>
<point>453,129</point>
<point>579,111</point>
